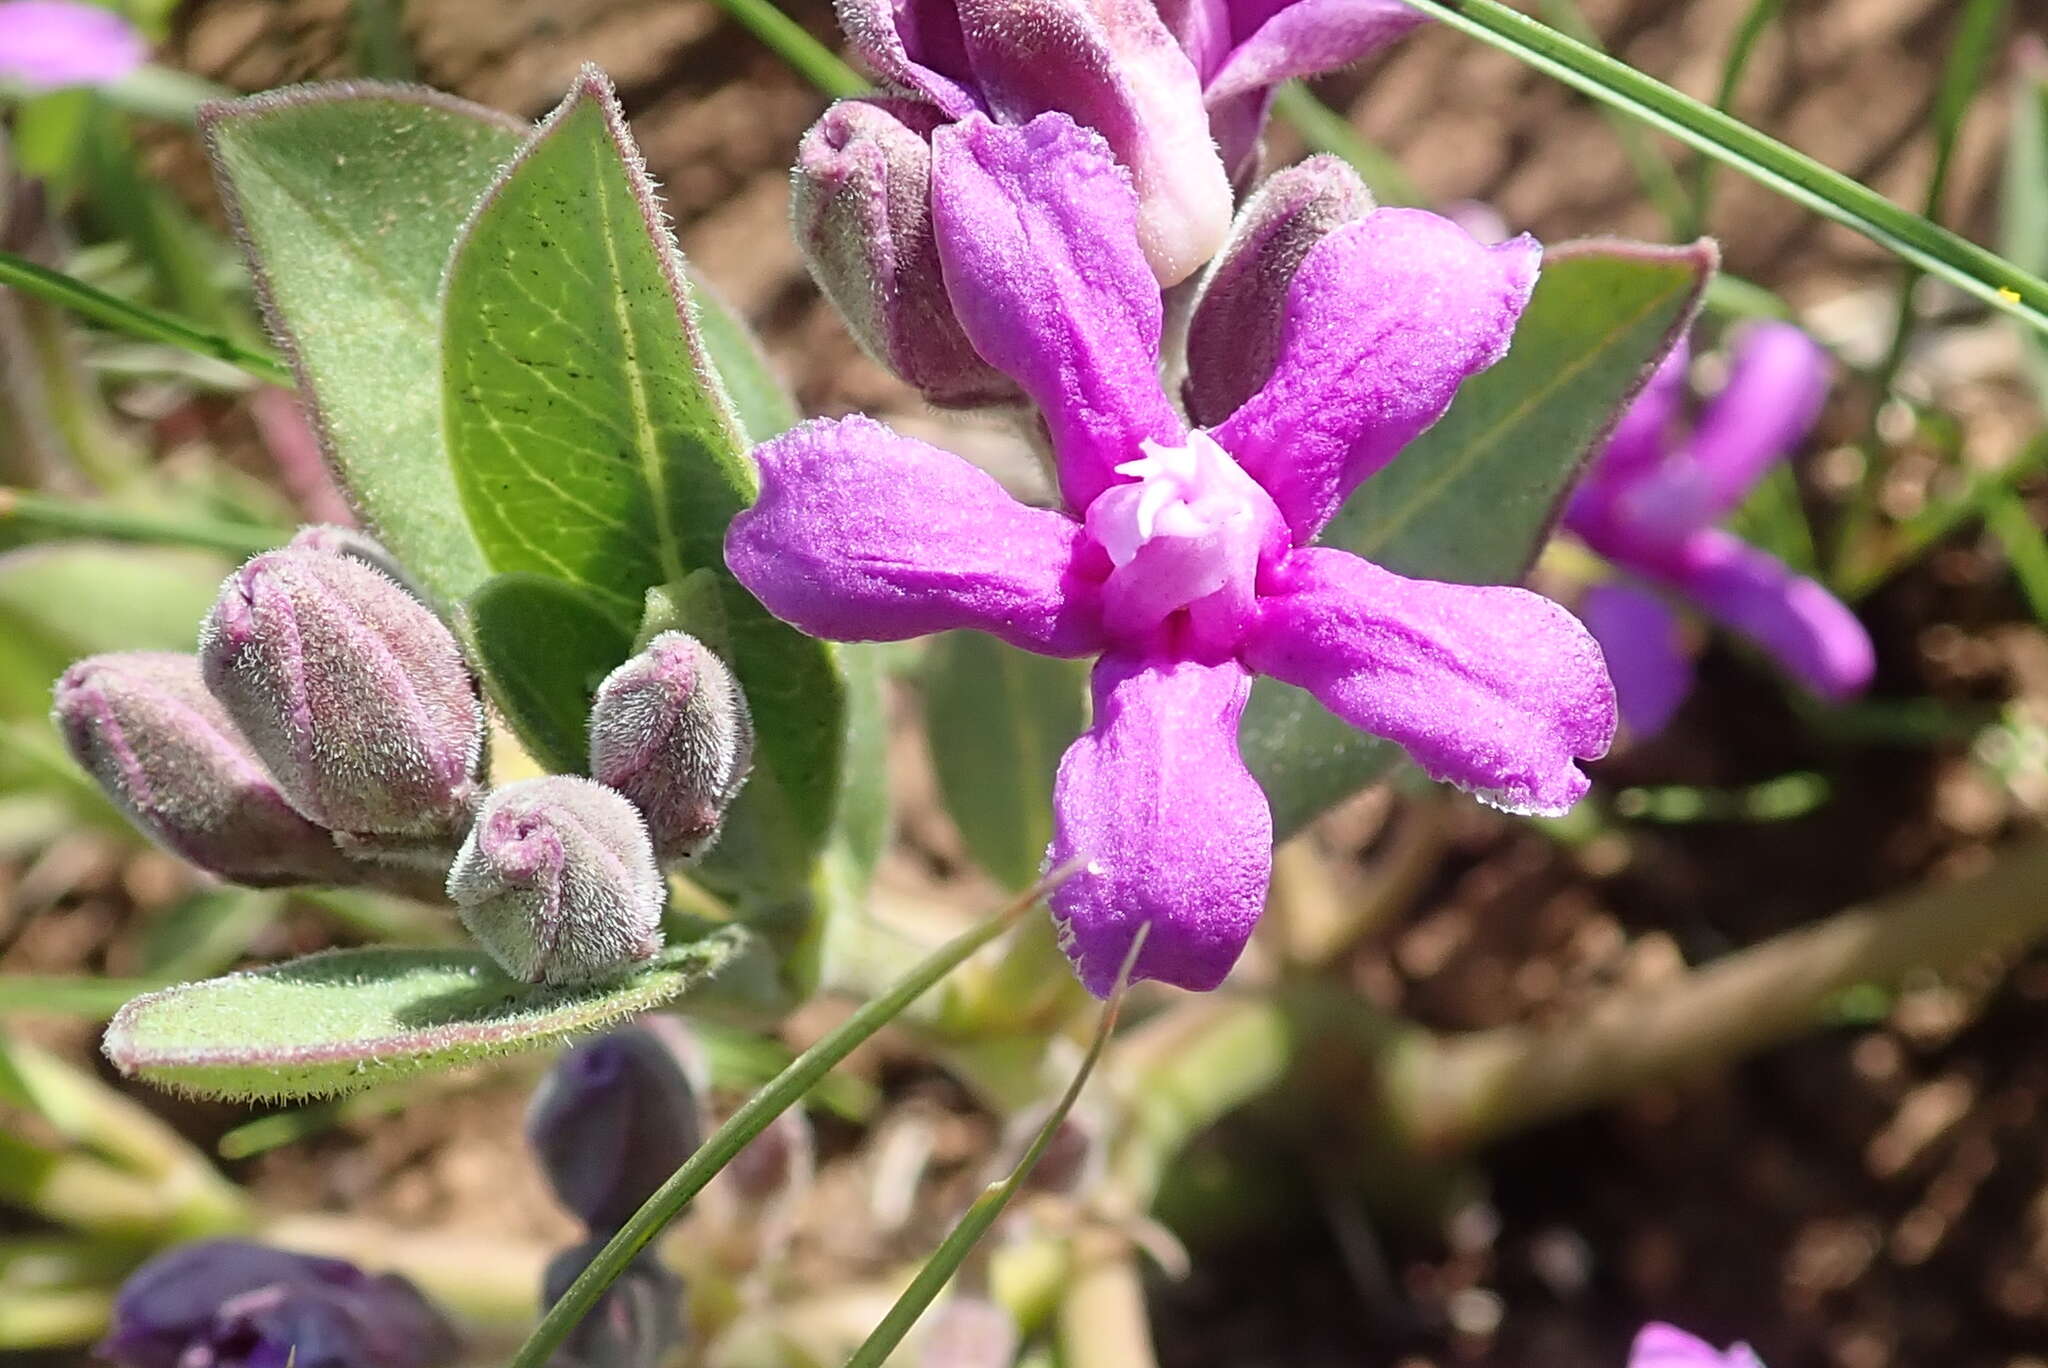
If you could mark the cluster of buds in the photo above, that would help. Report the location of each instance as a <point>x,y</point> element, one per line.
<point>330,731</point>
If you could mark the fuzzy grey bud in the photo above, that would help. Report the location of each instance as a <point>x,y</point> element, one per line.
<point>616,1116</point>
<point>637,1323</point>
<point>669,729</point>
<point>353,692</point>
<point>861,207</point>
<point>144,726</point>
<point>1234,333</point>
<point>356,545</point>
<point>557,880</point>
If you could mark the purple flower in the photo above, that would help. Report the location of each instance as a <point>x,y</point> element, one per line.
<point>229,1304</point>
<point>49,44</point>
<point>1666,1346</point>
<point>1183,558</point>
<point>1179,88</point>
<point>1649,506</point>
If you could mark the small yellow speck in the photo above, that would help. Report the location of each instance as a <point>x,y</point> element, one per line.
<point>2009,294</point>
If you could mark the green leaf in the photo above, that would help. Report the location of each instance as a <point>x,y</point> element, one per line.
<point>1472,500</point>
<point>345,1019</point>
<point>759,398</point>
<point>545,646</point>
<point>998,720</point>
<point>2023,210</point>
<point>593,443</point>
<point>348,199</point>
<point>1762,158</point>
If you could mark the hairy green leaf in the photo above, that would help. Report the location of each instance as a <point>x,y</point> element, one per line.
<point>999,719</point>
<point>1473,499</point>
<point>345,1019</point>
<point>347,199</point>
<point>545,646</point>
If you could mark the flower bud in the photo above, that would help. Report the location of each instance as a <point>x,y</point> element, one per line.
<point>616,1116</point>
<point>970,1331</point>
<point>356,545</point>
<point>861,207</point>
<point>353,692</point>
<point>229,1304</point>
<point>144,726</point>
<point>1234,334</point>
<point>637,1323</point>
<point>557,880</point>
<point>669,729</point>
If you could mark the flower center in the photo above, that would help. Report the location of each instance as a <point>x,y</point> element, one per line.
<point>1186,532</point>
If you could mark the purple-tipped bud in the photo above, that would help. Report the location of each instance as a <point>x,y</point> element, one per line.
<point>557,880</point>
<point>969,1331</point>
<point>228,1304</point>
<point>861,208</point>
<point>355,695</point>
<point>1234,334</point>
<point>669,729</point>
<point>616,1116</point>
<point>144,726</point>
<point>637,1323</point>
<point>356,544</point>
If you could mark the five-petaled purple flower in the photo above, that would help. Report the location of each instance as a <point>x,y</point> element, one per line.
<point>1179,88</point>
<point>1666,1346</point>
<point>1184,558</point>
<point>50,44</point>
<point>1650,505</point>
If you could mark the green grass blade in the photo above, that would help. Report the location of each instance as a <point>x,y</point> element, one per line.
<point>1660,184</point>
<point>2026,548</point>
<point>945,1261</point>
<point>1760,17</point>
<point>1793,174</point>
<point>1325,130</point>
<point>787,39</point>
<point>781,1093</point>
<point>135,320</point>
<point>53,513</point>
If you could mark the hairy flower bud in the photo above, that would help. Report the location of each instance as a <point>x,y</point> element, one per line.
<point>861,205</point>
<point>1234,334</point>
<point>616,1116</point>
<point>557,880</point>
<point>355,695</point>
<point>669,729</point>
<point>144,726</point>
<point>637,1323</point>
<point>229,1304</point>
<point>356,545</point>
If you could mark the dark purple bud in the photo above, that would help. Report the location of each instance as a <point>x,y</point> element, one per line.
<point>861,207</point>
<point>616,1116</point>
<point>637,1323</point>
<point>669,729</point>
<point>1234,334</point>
<point>356,544</point>
<point>144,726</point>
<point>229,1304</point>
<point>557,880</point>
<point>353,692</point>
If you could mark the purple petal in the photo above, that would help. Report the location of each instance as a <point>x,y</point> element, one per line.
<point>1115,68</point>
<point>1304,38</point>
<point>1203,30</point>
<point>1173,830</point>
<point>861,534</point>
<point>1385,319</point>
<point>48,44</point>
<point>1666,1346</point>
<point>1807,630</point>
<point>1777,383</point>
<point>1645,649</point>
<point>1494,689</point>
<point>1037,230</point>
<point>1643,435</point>
<point>915,45</point>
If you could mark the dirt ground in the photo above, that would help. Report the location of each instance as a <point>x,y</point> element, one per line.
<point>1875,1196</point>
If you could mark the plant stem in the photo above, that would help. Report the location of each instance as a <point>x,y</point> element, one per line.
<point>1325,130</point>
<point>1450,1094</point>
<point>60,1318</point>
<point>1759,18</point>
<point>54,513</point>
<point>149,324</point>
<point>781,1092</point>
<point>1764,159</point>
<point>788,39</point>
<point>1102,1318</point>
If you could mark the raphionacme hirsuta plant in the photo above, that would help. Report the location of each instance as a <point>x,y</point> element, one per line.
<point>1184,559</point>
